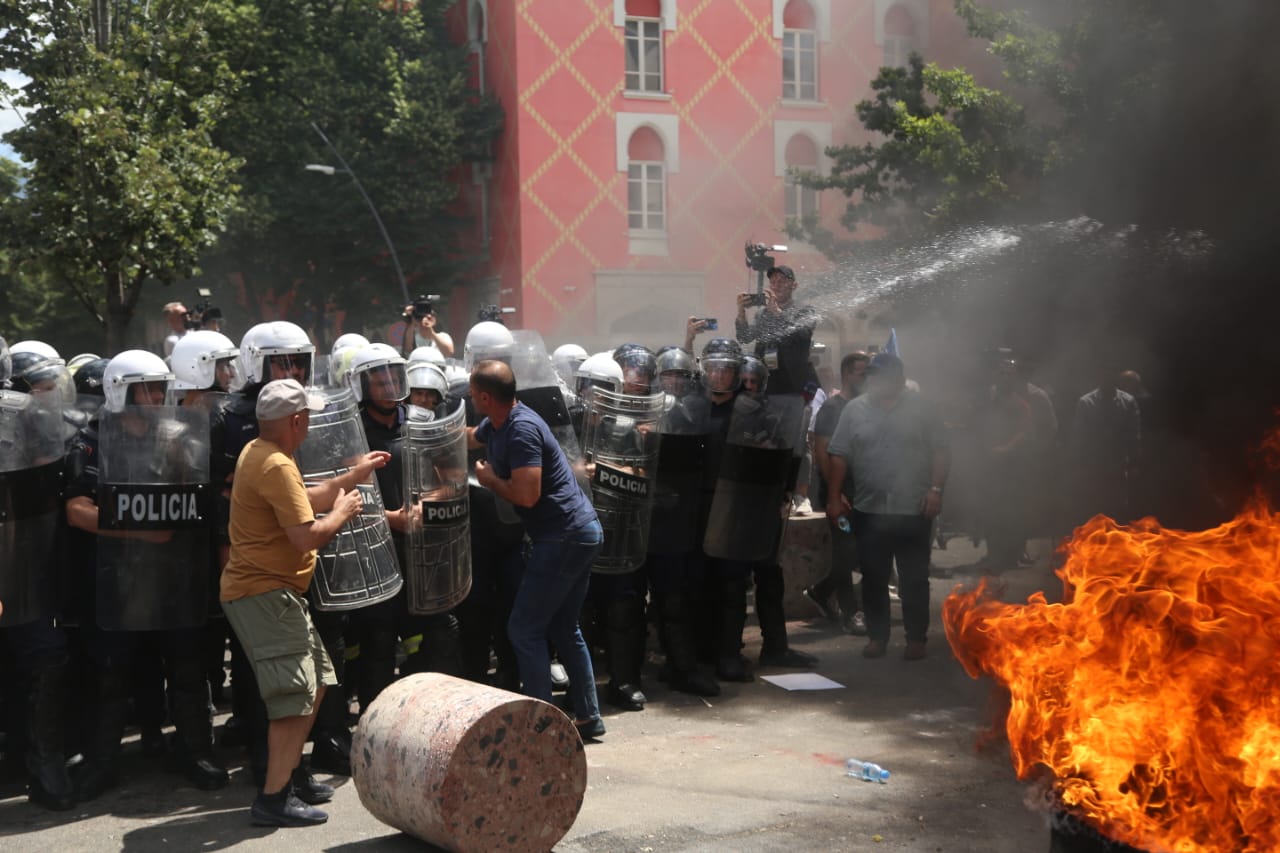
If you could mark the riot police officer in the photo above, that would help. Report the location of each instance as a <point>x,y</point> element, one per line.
<point>674,564</point>
<point>619,436</point>
<point>770,587</point>
<point>150,565</point>
<point>31,460</point>
<point>378,378</point>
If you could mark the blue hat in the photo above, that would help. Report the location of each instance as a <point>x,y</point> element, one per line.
<point>885,362</point>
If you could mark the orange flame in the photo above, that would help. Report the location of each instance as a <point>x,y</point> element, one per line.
<point>1152,693</point>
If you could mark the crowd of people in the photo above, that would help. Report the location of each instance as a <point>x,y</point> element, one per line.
<point>328,523</point>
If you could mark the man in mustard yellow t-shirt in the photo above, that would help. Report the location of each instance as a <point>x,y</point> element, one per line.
<point>274,537</point>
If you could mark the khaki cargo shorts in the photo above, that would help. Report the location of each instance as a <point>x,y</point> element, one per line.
<point>289,660</point>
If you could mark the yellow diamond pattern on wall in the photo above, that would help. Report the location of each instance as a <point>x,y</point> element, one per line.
<point>605,185</point>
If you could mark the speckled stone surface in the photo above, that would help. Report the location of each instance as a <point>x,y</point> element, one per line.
<point>805,557</point>
<point>468,767</point>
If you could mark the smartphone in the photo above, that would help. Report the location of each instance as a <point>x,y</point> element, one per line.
<point>757,300</point>
<point>710,324</point>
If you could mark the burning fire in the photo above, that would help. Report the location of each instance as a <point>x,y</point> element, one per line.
<point>1152,693</point>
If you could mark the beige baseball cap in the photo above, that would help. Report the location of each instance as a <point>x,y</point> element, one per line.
<point>284,397</point>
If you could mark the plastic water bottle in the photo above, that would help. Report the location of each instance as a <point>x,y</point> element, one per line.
<point>843,523</point>
<point>866,771</point>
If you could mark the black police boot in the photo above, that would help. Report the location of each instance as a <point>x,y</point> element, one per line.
<point>627,635</point>
<point>101,742</point>
<point>774,650</point>
<point>307,789</point>
<point>442,644</point>
<point>732,609</point>
<point>677,639</point>
<point>331,751</point>
<point>192,748</point>
<point>50,786</point>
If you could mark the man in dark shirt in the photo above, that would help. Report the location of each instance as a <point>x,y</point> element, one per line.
<point>527,468</point>
<point>844,557</point>
<point>783,332</point>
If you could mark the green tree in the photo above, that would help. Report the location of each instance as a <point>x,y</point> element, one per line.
<point>390,89</point>
<point>1154,112</point>
<point>126,185</point>
<point>953,151</point>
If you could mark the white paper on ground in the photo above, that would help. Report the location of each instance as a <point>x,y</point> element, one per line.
<point>802,681</point>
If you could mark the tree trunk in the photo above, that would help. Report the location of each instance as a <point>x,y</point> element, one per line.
<point>122,296</point>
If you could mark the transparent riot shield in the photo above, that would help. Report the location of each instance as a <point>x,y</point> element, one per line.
<point>749,507</point>
<point>673,525</point>
<point>620,441</point>
<point>153,483</point>
<point>358,567</point>
<point>438,572</point>
<point>31,453</point>
<point>538,387</point>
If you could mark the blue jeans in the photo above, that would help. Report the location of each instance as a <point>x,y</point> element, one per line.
<point>547,604</point>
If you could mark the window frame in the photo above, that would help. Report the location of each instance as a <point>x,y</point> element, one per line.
<point>794,197</point>
<point>793,89</point>
<point>642,74</point>
<point>646,181</point>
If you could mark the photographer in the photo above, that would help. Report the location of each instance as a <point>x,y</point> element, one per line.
<point>782,330</point>
<point>175,316</point>
<point>420,328</point>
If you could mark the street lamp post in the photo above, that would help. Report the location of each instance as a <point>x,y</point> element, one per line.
<point>347,170</point>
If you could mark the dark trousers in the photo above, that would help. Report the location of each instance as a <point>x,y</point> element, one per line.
<point>844,561</point>
<point>882,540</point>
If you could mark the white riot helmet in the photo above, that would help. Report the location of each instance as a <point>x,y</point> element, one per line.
<point>380,363</point>
<point>456,373</point>
<point>270,339</point>
<point>340,357</point>
<point>598,371</point>
<point>427,355</point>
<point>425,379</point>
<point>199,356</point>
<point>487,340</point>
<point>428,377</point>
<point>566,359</point>
<point>6,364</point>
<point>132,367</point>
<point>40,348</point>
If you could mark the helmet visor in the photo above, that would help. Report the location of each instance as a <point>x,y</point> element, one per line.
<point>722,374</point>
<point>385,384</point>
<point>289,366</point>
<point>227,375</point>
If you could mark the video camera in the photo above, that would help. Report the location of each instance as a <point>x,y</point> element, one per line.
<point>203,312</point>
<point>759,259</point>
<point>424,305</point>
<point>493,314</point>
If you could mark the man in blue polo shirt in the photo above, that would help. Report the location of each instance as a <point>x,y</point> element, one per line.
<point>527,468</point>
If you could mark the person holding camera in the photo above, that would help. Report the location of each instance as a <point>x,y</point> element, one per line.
<point>782,331</point>
<point>420,328</point>
<point>175,317</point>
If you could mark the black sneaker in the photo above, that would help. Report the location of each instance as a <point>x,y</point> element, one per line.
<point>307,789</point>
<point>284,809</point>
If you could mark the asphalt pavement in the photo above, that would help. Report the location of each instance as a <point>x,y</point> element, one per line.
<point>757,768</point>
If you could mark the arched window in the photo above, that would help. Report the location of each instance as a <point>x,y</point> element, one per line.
<point>802,153</point>
<point>900,36</point>
<point>642,40</point>
<point>646,184</point>
<point>799,52</point>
